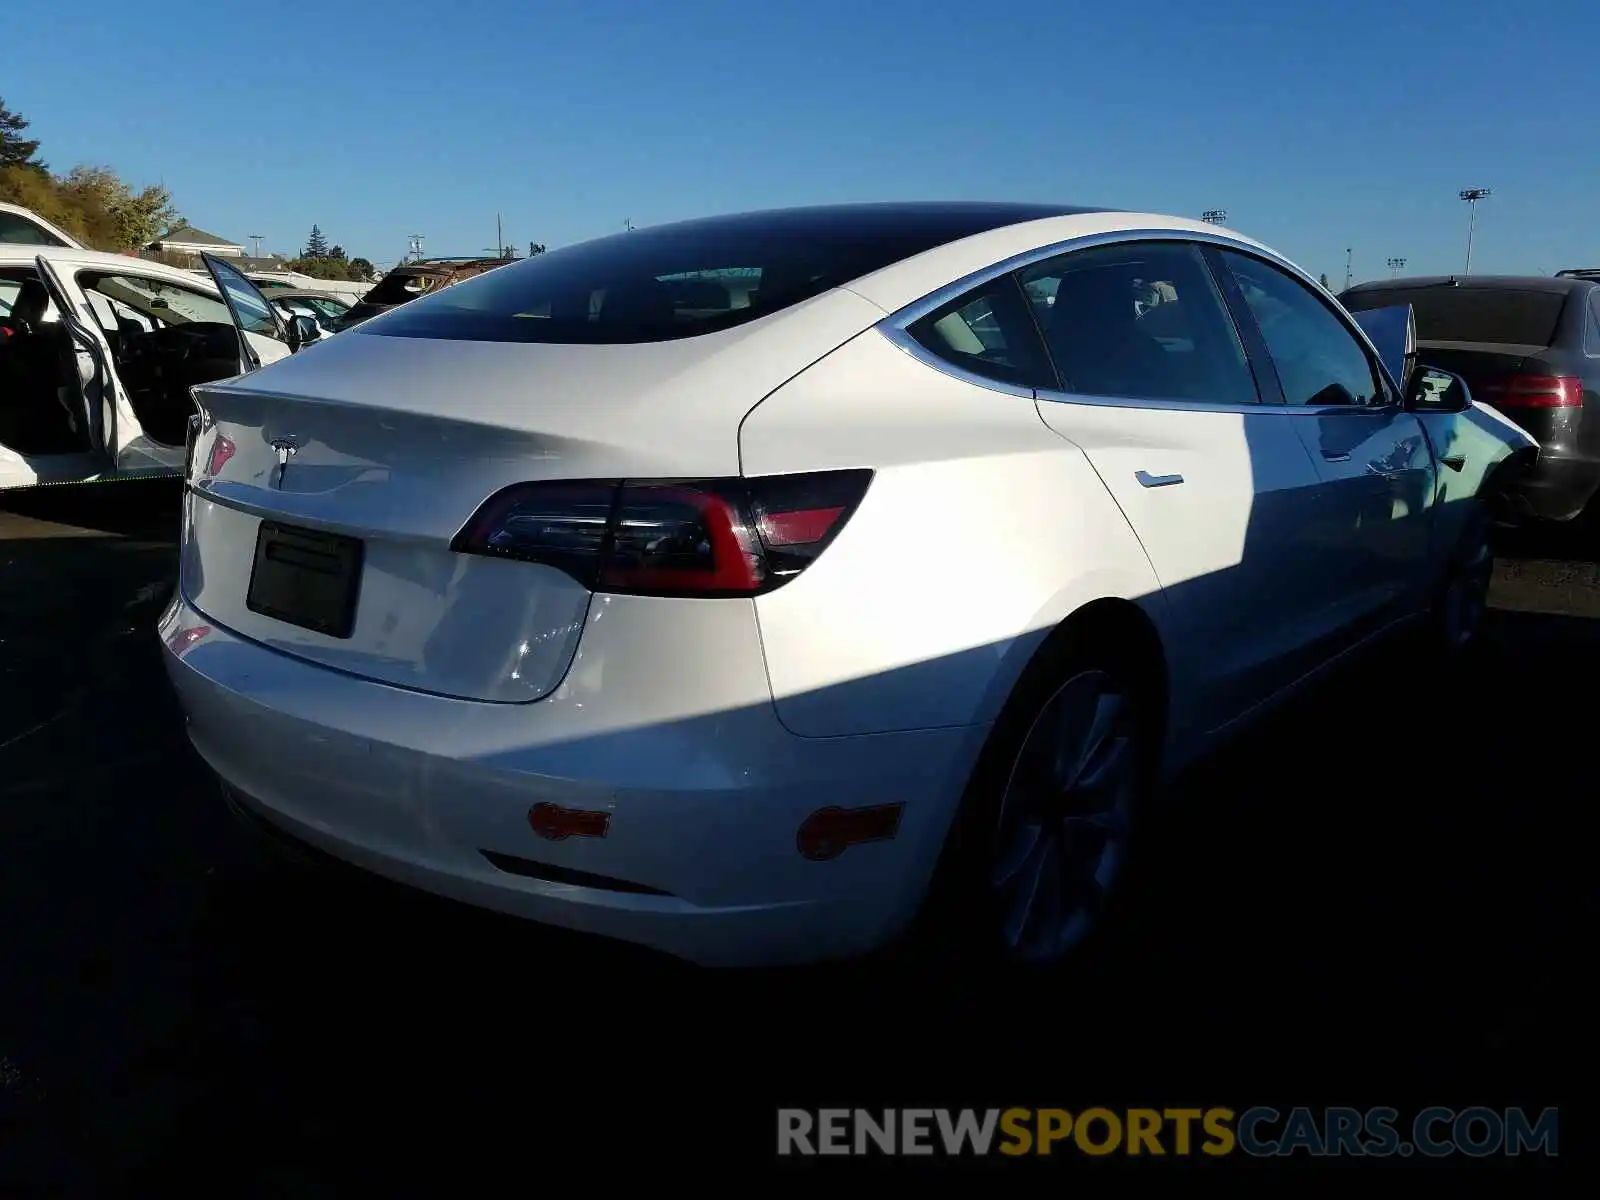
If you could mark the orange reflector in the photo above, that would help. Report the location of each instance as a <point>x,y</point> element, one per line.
<point>557,824</point>
<point>829,832</point>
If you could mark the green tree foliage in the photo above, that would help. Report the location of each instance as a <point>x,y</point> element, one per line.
<point>90,202</point>
<point>1323,280</point>
<point>316,245</point>
<point>16,150</point>
<point>323,261</point>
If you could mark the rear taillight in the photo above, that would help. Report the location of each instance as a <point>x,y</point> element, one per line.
<point>717,537</point>
<point>1536,391</point>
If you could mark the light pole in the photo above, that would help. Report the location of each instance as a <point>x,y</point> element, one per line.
<point>1472,196</point>
<point>1214,216</point>
<point>1347,253</point>
<point>1396,265</point>
<point>256,238</point>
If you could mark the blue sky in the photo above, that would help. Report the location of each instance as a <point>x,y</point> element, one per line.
<point>1316,126</point>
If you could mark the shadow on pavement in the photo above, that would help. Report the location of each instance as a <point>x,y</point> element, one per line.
<point>1378,888</point>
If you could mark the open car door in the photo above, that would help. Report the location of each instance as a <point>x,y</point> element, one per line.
<point>100,401</point>
<point>264,335</point>
<point>1393,332</point>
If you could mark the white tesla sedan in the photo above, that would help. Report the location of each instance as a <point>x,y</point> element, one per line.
<point>752,587</point>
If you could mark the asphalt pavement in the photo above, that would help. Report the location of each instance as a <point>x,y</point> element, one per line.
<point>1384,892</point>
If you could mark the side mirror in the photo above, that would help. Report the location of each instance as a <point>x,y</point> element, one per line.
<point>1432,390</point>
<point>302,332</point>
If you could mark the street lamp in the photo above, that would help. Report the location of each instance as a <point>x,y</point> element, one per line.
<point>1472,196</point>
<point>1397,265</point>
<point>1214,216</point>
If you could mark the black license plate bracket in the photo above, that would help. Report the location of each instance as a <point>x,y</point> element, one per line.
<point>307,578</point>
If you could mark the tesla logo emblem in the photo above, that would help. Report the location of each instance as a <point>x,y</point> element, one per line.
<point>286,449</point>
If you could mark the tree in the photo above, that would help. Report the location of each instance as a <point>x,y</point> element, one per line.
<point>1323,280</point>
<point>336,254</point>
<point>361,270</point>
<point>16,150</point>
<point>535,249</point>
<point>131,219</point>
<point>316,245</point>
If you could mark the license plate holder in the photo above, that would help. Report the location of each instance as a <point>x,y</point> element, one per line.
<point>307,578</point>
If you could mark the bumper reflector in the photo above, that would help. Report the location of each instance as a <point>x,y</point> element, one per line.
<point>829,832</point>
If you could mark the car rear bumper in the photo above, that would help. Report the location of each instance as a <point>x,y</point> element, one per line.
<point>1556,488</point>
<point>702,788</point>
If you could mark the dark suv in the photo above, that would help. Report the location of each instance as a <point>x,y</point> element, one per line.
<point>410,280</point>
<point>1528,346</point>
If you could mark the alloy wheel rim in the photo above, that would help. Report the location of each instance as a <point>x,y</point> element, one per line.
<point>1061,838</point>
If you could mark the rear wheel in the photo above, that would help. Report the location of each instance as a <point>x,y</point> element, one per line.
<point>1035,867</point>
<point>1462,600</point>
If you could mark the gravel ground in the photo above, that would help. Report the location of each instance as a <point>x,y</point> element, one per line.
<point>1375,898</point>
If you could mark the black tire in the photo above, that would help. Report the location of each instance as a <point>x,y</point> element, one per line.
<point>1461,597</point>
<point>961,928</point>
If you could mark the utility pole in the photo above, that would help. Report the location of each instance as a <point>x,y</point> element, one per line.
<point>1396,265</point>
<point>256,238</point>
<point>1472,196</point>
<point>499,237</point>
<point>1214,216</point>
<point>627,224</point>
<point>415,252</point>
<point>1347,253</point>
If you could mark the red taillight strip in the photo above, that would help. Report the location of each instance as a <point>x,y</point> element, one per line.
<point>1542,391</point>
<point>798,528</point>
<point>736,564</point>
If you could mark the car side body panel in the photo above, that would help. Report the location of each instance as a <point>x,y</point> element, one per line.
<point>979,518</point>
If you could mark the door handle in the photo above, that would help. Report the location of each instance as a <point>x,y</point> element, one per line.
<point>1336,457</point>
<point>1148,480</point>
<point>1454,461</point>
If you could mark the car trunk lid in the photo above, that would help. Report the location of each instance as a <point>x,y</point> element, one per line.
<point>395,442</point>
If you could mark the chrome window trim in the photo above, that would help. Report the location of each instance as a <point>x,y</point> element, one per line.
<point>895,326</point>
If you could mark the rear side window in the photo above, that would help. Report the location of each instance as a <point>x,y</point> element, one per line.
<point>682,280</point>
<point>1496,316</point>
<point>1591,337</point>
<point>988,332</point>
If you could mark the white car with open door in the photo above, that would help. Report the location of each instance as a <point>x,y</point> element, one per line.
<point>99,352</point>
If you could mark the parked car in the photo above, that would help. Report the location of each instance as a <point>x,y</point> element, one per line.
<point>23,227</point>
<point>1527,346</point>
<point>327,311</point>
<point>877,599</point>
<point>99,352</point>
<point>408,281</point>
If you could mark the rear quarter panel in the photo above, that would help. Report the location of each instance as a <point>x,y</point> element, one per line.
<point>982,530</point>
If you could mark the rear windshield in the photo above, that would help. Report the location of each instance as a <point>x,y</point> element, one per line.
<point>1498,316</point>
<point>695,277</point>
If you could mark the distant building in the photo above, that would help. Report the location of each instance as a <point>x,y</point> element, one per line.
<point>187,242</point>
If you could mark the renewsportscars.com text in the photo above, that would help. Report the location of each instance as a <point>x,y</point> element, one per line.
<point>1213,1132</point>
